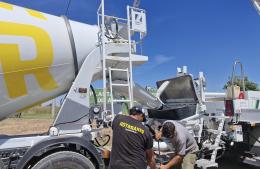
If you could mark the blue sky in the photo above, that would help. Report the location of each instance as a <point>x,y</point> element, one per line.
<point>205,35</point>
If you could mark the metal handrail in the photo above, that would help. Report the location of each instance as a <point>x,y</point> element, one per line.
<point>241,76</point>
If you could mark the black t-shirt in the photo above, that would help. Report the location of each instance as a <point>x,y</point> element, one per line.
<point>130,140</point>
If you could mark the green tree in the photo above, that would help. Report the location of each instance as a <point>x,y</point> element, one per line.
<point>249,85</point>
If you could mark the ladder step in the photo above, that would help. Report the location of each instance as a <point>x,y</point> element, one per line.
<point>120,70</point>
<point>214,131</point>
<point>122,101</point>
<point>205,163</point>
<point>118,84</point>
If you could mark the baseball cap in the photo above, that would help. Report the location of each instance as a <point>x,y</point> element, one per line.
<point>138,110</point>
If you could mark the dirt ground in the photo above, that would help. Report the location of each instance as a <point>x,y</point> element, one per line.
<point>15,126</point>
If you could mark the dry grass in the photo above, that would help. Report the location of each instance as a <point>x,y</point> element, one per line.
<point>15,126</point>
<point>35,120</point>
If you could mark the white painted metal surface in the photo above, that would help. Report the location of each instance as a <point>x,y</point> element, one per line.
<point>36,53</point>
<point>37,59</point>
<point>6,143</point>
<point>103,53</point>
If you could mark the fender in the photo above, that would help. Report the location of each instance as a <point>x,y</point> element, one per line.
<point>39,148</point>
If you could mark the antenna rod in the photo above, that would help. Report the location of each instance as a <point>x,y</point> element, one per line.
<point>136,3</point>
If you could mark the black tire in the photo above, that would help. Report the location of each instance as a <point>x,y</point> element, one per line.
<point>64,159</point>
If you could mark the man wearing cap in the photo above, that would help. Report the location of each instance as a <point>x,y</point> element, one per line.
<point>183,143</point>
<point>132,142</point>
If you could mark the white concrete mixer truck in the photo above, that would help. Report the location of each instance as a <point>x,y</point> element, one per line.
<point>43,56</point>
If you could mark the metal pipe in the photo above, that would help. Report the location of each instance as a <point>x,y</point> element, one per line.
<point>141,95</point>
<point>233,77</point>
<point>98,11</point>
<point>136,3</point>
<point>196,116</point>
<point>159,151</point>
<point>130,55</point>
<point>104,55</point>
<point>114,17</point>
<point>256,4</point>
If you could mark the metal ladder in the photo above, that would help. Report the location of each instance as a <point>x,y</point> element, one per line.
<point>127,84</point>
<point>217,140</point>
<point>135,23</point>
<point>205,163</point>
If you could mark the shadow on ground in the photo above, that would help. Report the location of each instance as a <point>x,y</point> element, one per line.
<point>227,162</point>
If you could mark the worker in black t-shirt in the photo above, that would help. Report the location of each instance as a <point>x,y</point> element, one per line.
<point>132,142</point>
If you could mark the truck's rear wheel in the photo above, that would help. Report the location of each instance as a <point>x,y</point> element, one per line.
<point>64,159</point>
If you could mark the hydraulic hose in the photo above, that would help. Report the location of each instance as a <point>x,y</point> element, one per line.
<point>94,93</point>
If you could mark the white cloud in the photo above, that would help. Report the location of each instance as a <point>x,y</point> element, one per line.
<point>154,62</point>
<point>160,59</point>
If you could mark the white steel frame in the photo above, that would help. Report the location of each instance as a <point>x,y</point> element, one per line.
<point>131,43</point>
